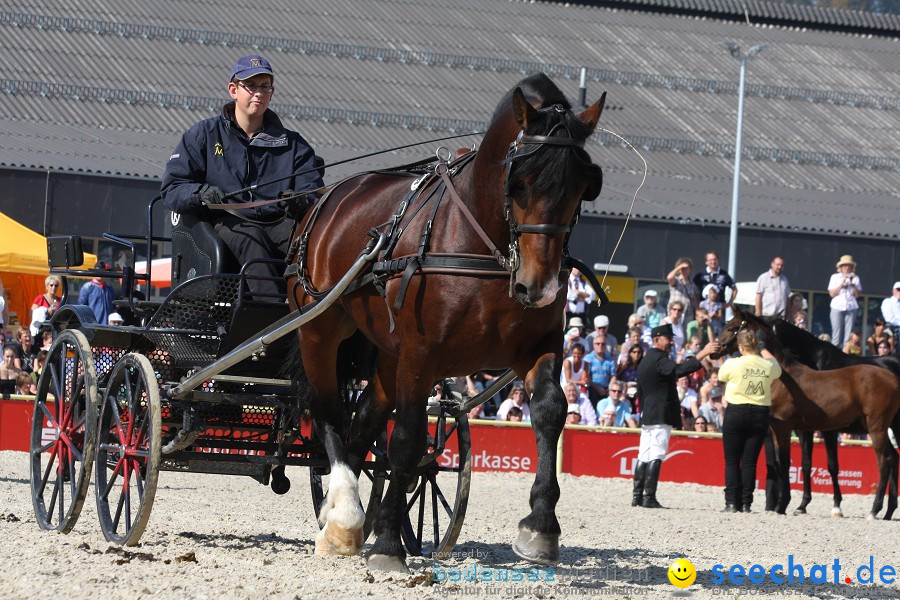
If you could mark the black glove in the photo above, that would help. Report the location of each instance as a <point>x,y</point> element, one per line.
<point>295,204</point>
<point>210,194</point>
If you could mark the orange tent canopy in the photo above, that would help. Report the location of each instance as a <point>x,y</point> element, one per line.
<point>23,265</point>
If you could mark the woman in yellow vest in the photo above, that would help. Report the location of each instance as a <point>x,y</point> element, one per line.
<point>748,400</point>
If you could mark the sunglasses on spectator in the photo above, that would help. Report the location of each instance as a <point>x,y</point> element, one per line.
<point>615,390</point>
<point>676,309</point>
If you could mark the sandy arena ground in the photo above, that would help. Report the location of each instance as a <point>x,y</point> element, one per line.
<point>213,536</point>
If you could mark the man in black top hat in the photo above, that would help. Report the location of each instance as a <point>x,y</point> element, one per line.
<point>660,409</point>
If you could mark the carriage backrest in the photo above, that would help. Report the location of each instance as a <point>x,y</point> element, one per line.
<point>197,249</point>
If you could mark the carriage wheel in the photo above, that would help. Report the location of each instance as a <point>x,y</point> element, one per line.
<point>371,483</point>
<point>436,506</point>
<point>63,431</point>
<point>128,450</point>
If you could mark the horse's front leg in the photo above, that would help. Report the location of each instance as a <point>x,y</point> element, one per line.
<point>538,539</point>
<point>405,449</point>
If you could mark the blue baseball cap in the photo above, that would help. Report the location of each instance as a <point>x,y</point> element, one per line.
<point>248,66</point>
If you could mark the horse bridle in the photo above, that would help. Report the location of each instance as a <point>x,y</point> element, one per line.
<point>516,150</point>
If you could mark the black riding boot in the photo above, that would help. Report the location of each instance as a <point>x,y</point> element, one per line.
<point>640,475</point>
<point>650,484</point>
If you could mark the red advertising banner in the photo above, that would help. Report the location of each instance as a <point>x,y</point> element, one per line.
<point>15,424</point>
<point>585,451</point>
<point>496,447</point>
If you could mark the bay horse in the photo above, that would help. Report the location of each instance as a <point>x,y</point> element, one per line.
<point>808,400</point>
<point>823,356</point>
<point>437,305</point>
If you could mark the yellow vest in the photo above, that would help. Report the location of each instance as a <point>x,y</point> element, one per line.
<point>749,379</point>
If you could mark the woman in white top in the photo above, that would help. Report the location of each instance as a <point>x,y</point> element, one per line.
<point>517,398</point>
<point>573,370</point>
<point>844,288</point>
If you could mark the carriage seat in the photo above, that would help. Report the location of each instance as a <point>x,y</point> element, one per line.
<point>197,249</point>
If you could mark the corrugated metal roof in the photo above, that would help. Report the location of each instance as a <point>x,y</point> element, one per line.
<point>821,114</point>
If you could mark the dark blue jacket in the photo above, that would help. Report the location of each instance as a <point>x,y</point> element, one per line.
<point>216,151</point>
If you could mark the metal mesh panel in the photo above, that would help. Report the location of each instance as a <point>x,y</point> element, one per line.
<point>105,359</point>
<point>199,313</point>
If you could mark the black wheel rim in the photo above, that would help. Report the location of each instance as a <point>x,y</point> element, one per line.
<point>436,508</point>
<point>62,432</point>
<point>128,450</point>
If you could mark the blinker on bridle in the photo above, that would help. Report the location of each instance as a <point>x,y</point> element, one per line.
<point>517,150</point>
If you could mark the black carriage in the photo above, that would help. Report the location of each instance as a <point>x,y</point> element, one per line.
<point>201,383</point>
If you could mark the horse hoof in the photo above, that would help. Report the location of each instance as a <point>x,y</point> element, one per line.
<point>335,541</point>
<point>387,564</point>
<point>836,513</point>
<point>799,511</point>
<point>870,517</point>
<point>540,548</point>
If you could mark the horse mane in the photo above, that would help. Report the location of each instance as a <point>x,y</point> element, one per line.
<point>557,174</point>
<point>787,351</point>
<point>809,349</point>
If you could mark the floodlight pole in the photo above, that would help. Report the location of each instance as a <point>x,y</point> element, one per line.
<point>735,193</point>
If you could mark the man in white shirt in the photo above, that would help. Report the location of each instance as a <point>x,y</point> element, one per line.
<point>772,291</point>
<point>601,327</point>
<point>580,294</point>
<point>890,310</point>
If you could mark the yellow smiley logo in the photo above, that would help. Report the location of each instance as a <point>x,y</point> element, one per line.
<point>682,573</point>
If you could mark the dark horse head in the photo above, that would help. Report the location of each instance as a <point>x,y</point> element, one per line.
<point>761,326</point>
<point>538,144</point>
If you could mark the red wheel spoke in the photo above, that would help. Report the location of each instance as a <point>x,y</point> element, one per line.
<point>141,434</point>
<point>114,409</point>
<point>132,409</point>
<point>76,452</point>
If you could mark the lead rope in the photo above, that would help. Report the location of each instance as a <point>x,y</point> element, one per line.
<point>630,208</point>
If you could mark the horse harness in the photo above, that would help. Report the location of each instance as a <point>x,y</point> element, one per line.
<point>421,192</point>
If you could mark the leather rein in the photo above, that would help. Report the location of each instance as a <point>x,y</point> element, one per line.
<point>421,193</point>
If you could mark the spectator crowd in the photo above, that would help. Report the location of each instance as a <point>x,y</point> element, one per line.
<point>25,345</point>
<point>599,372</point>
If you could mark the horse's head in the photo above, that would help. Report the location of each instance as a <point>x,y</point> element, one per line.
<point>744,320</point>
<point>547,174</point>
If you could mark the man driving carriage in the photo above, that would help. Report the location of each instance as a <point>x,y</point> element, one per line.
<point>246,145</point>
